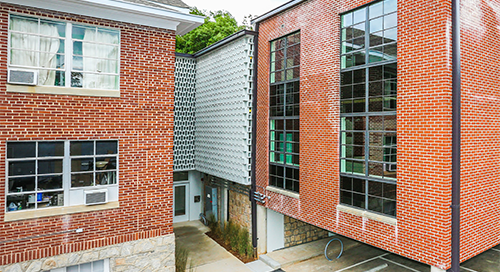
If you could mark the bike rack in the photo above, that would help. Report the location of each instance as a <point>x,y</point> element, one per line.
<point>341,248</point>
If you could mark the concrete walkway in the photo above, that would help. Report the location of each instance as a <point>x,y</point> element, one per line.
<point>205,255</point>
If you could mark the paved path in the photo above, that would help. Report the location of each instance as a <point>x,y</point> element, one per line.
<point>205,254</point>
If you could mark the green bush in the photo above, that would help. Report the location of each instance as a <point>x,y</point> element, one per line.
<point>249,249</point>
<point>234,236</point>
<point>243,239</point>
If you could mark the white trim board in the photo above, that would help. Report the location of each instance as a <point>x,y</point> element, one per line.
<point>121,12</point>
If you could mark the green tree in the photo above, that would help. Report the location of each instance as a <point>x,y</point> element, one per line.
<point>217,26</point>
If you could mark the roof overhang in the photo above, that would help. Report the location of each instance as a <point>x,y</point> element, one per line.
<point>120,11</point>
<point>277,10</point>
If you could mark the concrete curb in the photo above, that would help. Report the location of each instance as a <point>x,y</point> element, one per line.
<point>270,262</point>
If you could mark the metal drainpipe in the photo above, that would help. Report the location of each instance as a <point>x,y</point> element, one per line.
<point>254,139</point>
<point>456,135</point>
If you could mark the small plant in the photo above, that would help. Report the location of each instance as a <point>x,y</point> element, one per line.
<point>234,237</point>
<point>243,240</point>
<point>249,249</point>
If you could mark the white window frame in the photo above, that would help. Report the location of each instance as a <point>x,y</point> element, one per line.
<point>72,195</point>
<point>68,51</point>
<point>64,269</point>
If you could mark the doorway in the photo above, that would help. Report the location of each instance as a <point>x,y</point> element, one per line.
<point>181,203</point>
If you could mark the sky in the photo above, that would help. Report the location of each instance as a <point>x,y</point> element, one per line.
<point>237,8</point>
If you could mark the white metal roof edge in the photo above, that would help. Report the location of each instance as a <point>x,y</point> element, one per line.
<point>120,11</point>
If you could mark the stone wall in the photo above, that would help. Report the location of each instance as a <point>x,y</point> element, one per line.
<point>153,254</point>
<point>298,232</point>
<point>240,210</point>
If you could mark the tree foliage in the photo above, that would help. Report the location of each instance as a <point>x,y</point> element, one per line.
<point>217,26</point>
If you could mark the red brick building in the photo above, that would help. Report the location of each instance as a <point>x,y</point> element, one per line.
<point>87,133</point>
<point>346,87</point>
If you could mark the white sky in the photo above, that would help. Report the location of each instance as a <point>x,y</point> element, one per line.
<point>237,8</point>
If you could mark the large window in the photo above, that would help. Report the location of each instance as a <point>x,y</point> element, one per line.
<point>368,94</point>
<point>284,111</point>
<point>65,54</point>
<point>44,174</point>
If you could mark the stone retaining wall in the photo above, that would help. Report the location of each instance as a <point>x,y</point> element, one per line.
<point>298,232</point>
<point>153,254</point>
<point>240,210</point>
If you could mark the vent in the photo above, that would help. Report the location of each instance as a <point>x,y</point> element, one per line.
<point>22,77</point>
<point>96,197</point>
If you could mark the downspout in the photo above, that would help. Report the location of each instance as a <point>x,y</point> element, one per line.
<point>456,135</point>
<point>254,139</point>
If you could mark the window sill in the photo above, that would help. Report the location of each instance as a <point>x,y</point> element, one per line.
<point>367,214</point>
<point>61,90</point>
<point>283,192</point>
<point>32,214</point>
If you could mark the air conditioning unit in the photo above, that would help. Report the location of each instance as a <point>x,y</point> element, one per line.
<point>22,77</point>
<point>96,197</point>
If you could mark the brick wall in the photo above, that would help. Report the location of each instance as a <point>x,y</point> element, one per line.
<point>423,230</point>
<point>298,232</point>
<point>480,127</point>
<point>142,120</point>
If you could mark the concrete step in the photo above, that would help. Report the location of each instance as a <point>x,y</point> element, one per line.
<point>259,266</point>
<point>270,262</point>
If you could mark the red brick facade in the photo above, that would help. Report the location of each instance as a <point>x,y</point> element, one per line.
<point>141,119</point>
<point>480,127</point>
<point>423,229</point>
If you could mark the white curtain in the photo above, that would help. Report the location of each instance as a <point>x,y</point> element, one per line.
<point>29,43</point>
<point>48,56</point>
<point>104,60</point>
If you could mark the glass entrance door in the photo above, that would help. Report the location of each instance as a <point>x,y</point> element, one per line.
<point>181,205</point>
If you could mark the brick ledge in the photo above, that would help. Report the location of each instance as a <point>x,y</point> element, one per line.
<point>366,214</point>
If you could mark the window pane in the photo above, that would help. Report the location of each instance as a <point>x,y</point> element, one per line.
<point>51,199</point>
<point>106,163</point>
<point>86,267</point>
<point>50,166</point>
<point>108,36</point>
<point>21,168</point>
<point>50,149</point>
<point>390,20</point>
<point>52,28</point>
<point>98,266</point>
<point>358,200</point>
<point>106,147</point>
<point>84,164</point>
<point>20,202</point>
<point>83,32</point>
<point>50,182</point>
<point>105,178</point>
<point>21,184</point>
<point>21,150</point>
<point>24,24</point>
<point>178,176</point>
<point>359,15</point>
<point>82,148</point>
<point>347,19</point>
<point>81,180</point>
<point>376,10</point>
<point>375,204</point>
<point>390,6</point>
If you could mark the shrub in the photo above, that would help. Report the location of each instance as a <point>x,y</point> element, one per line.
<point>249,249</point>
<point>243,240</point>
<point>234,236</point>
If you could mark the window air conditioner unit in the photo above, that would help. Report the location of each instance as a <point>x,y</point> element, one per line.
<point>22,77</point>
<point>96,197</point>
